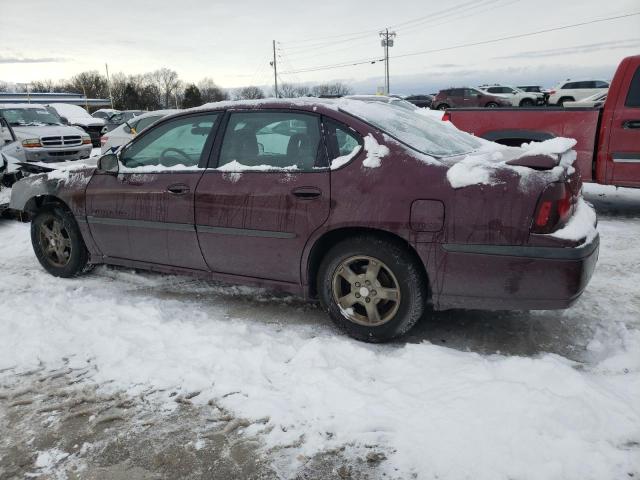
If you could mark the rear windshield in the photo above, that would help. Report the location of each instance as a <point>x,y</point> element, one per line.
<point>426,135</point>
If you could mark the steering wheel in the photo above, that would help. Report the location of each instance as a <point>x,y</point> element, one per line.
<point>175,150</point>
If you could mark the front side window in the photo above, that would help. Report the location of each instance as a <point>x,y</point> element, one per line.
<point>271,140</point>
<point>601,84</point>
<point>178,143</point>
<point>145,122</point>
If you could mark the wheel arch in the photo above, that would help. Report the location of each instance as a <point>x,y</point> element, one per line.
<point>515,138</point>
<point>38,203</point>
<point>328,239</point>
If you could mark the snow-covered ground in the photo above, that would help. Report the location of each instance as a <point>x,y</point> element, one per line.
<point>540,395</point>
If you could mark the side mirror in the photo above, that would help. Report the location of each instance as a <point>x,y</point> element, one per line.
<point>64,120</point>
<point>108,163</point>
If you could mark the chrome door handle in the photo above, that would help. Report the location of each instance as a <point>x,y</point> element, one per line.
<point>631,124</point>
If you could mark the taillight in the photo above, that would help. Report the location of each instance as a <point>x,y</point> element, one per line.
<point>554,208</point>
<point>446,117</point>
<point>552,92</point>
<point>103,140</point>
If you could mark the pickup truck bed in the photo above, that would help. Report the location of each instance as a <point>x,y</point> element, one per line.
<point>514,126</point>
<point>608,138</point>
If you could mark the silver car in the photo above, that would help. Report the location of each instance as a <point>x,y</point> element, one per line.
<point>41,136</point>
<point>123,133</point>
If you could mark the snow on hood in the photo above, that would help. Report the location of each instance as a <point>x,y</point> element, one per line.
<point>76,115</point>
<point>481,166</point>
<point>25,132</point>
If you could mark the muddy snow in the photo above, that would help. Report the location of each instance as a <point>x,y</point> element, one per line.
<point>123,374</point>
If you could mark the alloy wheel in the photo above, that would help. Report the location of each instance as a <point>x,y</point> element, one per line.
<point>55,242</point>
<point>366,291</point>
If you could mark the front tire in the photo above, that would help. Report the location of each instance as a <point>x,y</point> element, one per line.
<point>58,244</point>
<point>372,288</point>
<point>443,106</point>
<point>527,102</point>
<point>491,105</point>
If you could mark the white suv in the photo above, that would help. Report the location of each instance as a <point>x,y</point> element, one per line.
<point>515,96</point>
<point>574,90</point>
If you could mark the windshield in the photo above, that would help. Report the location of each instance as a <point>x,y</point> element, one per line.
<point>414,129</point>
<point>23,117</point>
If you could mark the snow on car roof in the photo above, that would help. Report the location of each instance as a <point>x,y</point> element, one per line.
<point>21,105</point>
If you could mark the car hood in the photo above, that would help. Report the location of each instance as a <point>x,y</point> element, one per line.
<point>45,131</point>
<point>86,122</point>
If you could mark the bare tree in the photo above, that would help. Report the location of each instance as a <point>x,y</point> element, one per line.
<point>291,90</point>
<point>210,92</point>
<point>334,88</point>
<point>43,86</point>
<point>91,84</point>
<point>249,93</point>
<point>4,86</point>
<point>168,82</point>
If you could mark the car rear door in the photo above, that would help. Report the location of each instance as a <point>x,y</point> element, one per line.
<point>624,140</point>
<point>145,213</point>
<point>268,192</point>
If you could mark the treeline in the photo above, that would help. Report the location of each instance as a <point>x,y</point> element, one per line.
<point>163,88</point>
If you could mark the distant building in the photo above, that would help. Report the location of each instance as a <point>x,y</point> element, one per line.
<point>46,98</point>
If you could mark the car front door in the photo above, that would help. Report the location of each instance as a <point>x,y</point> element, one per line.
<point>624,143</point>
<point>145,213</point>
<point>269,190</point>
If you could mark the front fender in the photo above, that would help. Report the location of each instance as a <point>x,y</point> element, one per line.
<point>67,185</point>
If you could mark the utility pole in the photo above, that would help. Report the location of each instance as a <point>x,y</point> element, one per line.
<point>386,42</point>
<point>109,84</point>
<point>274,64</point>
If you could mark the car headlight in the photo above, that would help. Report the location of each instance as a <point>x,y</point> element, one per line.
<point>86,139</point>
<point>31,143</point>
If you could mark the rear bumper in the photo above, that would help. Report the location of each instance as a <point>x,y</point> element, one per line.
<point>499,277</point>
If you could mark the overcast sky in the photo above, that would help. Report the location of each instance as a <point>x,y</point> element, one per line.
<point>230,41</point>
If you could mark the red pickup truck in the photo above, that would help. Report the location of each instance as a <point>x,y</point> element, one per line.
<point>608,137</point>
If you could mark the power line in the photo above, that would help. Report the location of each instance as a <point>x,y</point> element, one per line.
<point>484,42</point>
<point>337,65</point>
<point>447,12</point>
<point>519,35</point>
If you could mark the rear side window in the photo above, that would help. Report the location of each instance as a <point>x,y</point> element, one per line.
<point>601,84</point>
<point>342,142</point>
<point>456,92</point>
<point>633,96</point>
<point>271,140</point>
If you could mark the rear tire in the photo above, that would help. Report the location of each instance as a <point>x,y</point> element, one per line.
<point>386,292</point>
<point>565,99</point>
<point>491,105</point>
<point>58,244</point>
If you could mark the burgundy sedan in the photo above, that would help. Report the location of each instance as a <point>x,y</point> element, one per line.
<point>375,210</point>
